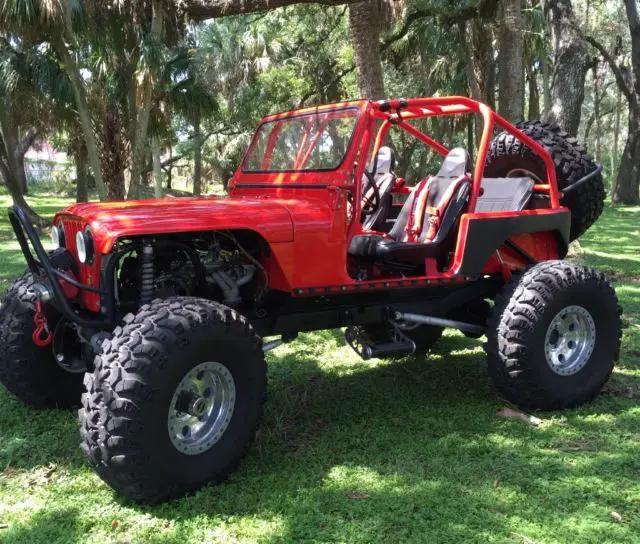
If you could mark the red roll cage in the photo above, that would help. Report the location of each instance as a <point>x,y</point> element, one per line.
<point>400,113</point>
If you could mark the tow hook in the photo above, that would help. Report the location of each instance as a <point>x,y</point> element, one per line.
<point>42,336</point>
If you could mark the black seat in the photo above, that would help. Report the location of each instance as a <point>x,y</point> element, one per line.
<point>384,178</point>
<point>426,219</point>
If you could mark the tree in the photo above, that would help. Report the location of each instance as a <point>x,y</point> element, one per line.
<point>200,10</point>
<point>187,94</point>
<point>627,186</point>
<point>28,79</point>
<point>148,71</point>
<point>12,152</point>
<point>536,54</point>
<point>367,19</point>
<point>511,60</point>
<point>364,25</point>
<point>571,62</point>
<point>480,59</point>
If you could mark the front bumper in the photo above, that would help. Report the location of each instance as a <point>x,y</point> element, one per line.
<point>50,276</point>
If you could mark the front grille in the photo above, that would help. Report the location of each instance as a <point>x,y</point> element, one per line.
<point>89,273</point>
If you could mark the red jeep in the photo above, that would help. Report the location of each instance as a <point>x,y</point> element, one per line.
<point>154,312</point>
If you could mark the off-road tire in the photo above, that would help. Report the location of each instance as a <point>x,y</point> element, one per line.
<point>123,421</point>
<point>30,372</point>
<point>424,336</point>
<point>572,162</point>
<point>522,314</point>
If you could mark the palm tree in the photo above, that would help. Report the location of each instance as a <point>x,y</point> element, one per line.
<point>34,99</point>
<point>182,92</point>
<point>59,25</point>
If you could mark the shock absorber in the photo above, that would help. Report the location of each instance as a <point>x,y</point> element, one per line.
<point>147,274</point>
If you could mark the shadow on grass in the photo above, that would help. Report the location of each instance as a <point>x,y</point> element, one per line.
<point>393,451</point>
<point>613,242</point>
<point>409,450</point>
<point>45,527</point>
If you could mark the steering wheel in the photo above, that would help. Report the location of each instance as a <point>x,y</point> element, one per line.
<point>370,205</point>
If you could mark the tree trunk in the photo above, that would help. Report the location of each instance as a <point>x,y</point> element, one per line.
<point>470,144</point>
<point>140,139</point>
<point>628,179</point>
<point>20,170</point>
<point>616,136</point>
<point>596,111</point>
<point>474,85</point>
<point>170,170</point>
<point>534,94</point>
<point>511,60</point>
<point>139,154</point>
<point>481,53</point>
<point>16,194</point>
<point>628,182</point>
<point>197,157</point>
<point>80,95</point>
<point>80,157</point>
<point>546,89</point>
<point>209,9</point>
<point>113,152</point>
<point>19,175</point>
<point>479,64</point>
<point>157,168</point>
<point>570,65</point>
<point>12,162</point>
<point>404,158</point>
<point>15,148</point>
<point>364,28</point>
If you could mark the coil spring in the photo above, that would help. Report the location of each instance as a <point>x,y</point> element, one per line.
<point>147,275</point>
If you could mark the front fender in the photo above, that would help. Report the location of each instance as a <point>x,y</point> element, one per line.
<point>111,221</point>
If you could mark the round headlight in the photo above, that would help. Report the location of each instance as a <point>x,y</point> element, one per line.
<point>81,247</point>
<point>57,236</point>
<point>84,246</point>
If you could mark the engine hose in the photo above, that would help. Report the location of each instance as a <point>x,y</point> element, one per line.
<point>147,274</point>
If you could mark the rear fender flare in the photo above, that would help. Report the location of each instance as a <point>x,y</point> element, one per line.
<point>481,235</point>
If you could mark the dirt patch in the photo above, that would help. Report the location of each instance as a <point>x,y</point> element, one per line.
<point>576,252</point>
<point>627,391</point>
<point>621,276</point>
<point>576,446</point>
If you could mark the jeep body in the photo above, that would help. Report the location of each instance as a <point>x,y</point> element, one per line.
<point>153,313</point>
<point>296,202</point>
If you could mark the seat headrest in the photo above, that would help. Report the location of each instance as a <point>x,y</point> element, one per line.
<point>455,164</point>
<point>386,160</point>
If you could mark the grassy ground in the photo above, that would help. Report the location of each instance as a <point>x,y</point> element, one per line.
<point>405,451</point>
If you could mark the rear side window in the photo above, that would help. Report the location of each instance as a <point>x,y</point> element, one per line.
<point>316,141</point>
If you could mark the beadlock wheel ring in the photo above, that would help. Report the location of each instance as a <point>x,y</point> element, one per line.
<point>201,408</point>
<point>570,340</point>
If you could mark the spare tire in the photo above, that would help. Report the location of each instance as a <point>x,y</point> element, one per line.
<point>509,157</point>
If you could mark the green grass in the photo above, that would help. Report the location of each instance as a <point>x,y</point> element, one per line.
<point>405,451</point>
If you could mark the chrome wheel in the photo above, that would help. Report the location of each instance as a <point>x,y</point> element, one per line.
<point>570,340</point>
<point>201,408</point>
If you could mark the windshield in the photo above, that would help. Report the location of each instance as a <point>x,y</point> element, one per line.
<point>316,141</point>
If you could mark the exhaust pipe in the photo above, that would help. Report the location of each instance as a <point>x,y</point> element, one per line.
<point>439,322</point>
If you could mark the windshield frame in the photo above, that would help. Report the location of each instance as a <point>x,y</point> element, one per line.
<point>317,113</point>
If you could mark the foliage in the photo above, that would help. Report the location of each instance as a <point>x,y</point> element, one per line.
<point>205,85</point>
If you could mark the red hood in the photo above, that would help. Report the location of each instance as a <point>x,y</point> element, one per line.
<point>112,220</point>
